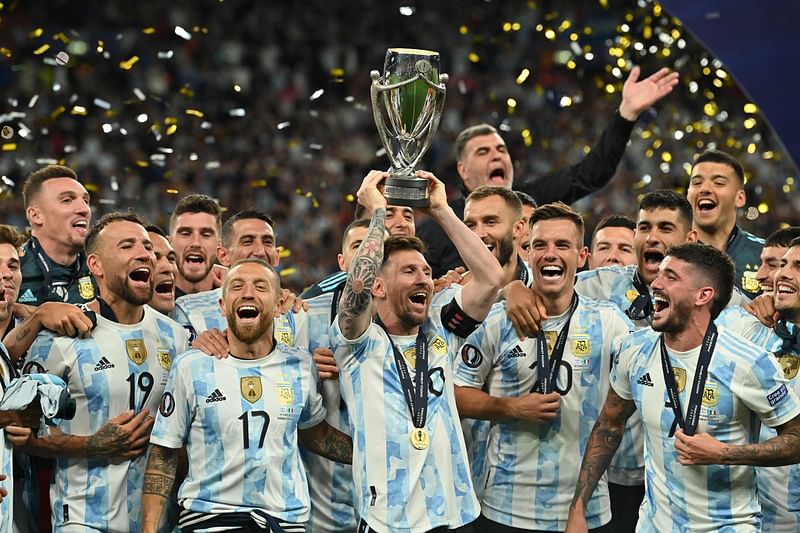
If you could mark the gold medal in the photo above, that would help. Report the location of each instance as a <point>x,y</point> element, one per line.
<point>419,438</point>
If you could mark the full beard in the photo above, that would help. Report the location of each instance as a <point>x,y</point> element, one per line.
<point>251,332</point>
<point>505,250</point>
<point>676,321</point>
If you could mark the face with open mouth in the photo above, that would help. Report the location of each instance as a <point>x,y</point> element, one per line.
<point>128,261</point>
<point>485,161</point>
<point>61,212</point>
<point>195,239</point>
<point>164,277</point>
<point>556,252</point>
<point>715,192</point>
<point>10,277</point>
<point>656,230</point>
<point>770,263</point>
<point>249,301</point>
<point>406,279</point>
<point>673,294</point>
<point>787,285</point>
<point>491,219</point>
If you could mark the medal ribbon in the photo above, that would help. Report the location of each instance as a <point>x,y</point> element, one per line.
<point>642,307</point>
<point>689,425</point>
<point>548,365</point>
<point>415,392</point>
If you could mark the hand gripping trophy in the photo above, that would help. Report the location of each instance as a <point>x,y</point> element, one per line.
<point>407,103</point>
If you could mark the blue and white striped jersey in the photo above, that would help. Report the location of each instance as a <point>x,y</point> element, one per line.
<point>6,452</point>
<point>744,384</point>
<point>532,469</point>
<point>239,419</point>
<point>329,483</point>
<point>778,487</point>
<point>201,311</point>
<point>120,367</point>
<point>400,488</point>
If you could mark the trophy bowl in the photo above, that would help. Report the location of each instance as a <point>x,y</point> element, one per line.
<point>407,102</point>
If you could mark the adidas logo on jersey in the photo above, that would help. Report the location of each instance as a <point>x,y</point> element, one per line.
<point>645,380</point>
<point>103,364</point>
<point>215,396</point>
<point>517,351</point>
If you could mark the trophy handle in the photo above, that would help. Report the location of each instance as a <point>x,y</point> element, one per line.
<point>376,90</point>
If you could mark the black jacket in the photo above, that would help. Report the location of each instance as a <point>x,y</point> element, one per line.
<point>567,185</point>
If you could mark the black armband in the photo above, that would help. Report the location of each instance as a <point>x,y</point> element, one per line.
<point>457,321</point>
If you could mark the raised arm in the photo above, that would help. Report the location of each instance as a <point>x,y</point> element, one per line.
<point>476,297</point>
<point>327,441</point>
<point>354,307</point>
<point>61,318</point>
<point>159,477</point>
<point>603,442</point>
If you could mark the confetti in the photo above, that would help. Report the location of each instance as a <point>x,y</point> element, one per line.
<point>129,63</point>
<point>107,128</point>
<point>62,58</point>
<point>42,49</point>
<point>7,132</point>
<point>166,54</point>
<point>406,11</point>
<point>284,125</point>
<point>139,94</point>
<point>317,94</point>
<point>182,33</point>
<point>102,104</point>
<point>238,112</point>
<point>195,112</point>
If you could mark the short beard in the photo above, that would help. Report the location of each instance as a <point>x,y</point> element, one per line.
<point>119,286</point>
<point>251,333</point>
<point>191,278</point>
<point>505,250</point>
<point>677,321</point>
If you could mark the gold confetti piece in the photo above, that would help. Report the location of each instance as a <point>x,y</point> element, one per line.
<point>284,252</point>
<point>523,76</point>
<point>286,272</point>
<point>9,147</point>
<point>473,57</point>
<point>751,148</point>
<point>516,26</point>
<point>170,121</point>
<point>790,180</point>
<point>237,88</point>
<point>463,30</point>
<point>258,183</point>
<point>78,110</point>
<point>749,123</point>
<point>57,111</point>
<point>91,187</point>
<point>142,163</point>
<point>350,198</point>
<point>171,191</point>
<point>511,103</point>
<point>186,91</point>
<point>149,30</point>
<point>5,51</point>
<point>571,64</point>
<point>36,33</point>
<point>750,108</point>
<point>195,112</point>
<point>550,34</point>
<point>769,154</point>
<point>99,47</point>
<point>657,10</point>
<point>128,64</point>
<point>506,27</point>
<point>610,88</point>
<point>666,157</point>
<point>710,109</point>
<point>172,129</point>
<point>763,208</point>
<point>337,72</point>
<point>42,49</point>
<point>61,36</point>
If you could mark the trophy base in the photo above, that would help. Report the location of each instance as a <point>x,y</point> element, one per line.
<point>406,191</point>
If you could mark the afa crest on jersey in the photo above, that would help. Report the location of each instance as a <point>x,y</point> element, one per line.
<point>250,386</point>
<point>749,281</point>
<point>164,359</point>
<point>86,288</point>
<point>137,352</point>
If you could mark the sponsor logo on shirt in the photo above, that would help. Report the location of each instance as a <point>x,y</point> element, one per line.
<point>27,297</point>
<point>215,396</point>
<point>645,380</point>
<point>103,364</point>
<point>777,395</point>
<point>516,351</point>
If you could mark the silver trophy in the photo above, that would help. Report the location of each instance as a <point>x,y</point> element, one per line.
<point>407,103</point>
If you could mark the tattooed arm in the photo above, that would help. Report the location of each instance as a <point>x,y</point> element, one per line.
<point>60,318</point>
<point>354,307</point>
<point>703,449</point>
<point>327,441</point>
<point>603,442</point>
<point>122,438</point>
<point>159,476</point>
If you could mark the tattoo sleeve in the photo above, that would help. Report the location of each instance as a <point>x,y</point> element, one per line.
<point>328,442</point>
<point>777,451</point>
<point>603,442</point>
<point>159,477</point>
<point>356,296</point>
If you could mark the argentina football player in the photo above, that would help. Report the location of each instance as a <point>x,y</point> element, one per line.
<point>396,371</point>
<point>116,375</point>
<point>239,418</point>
